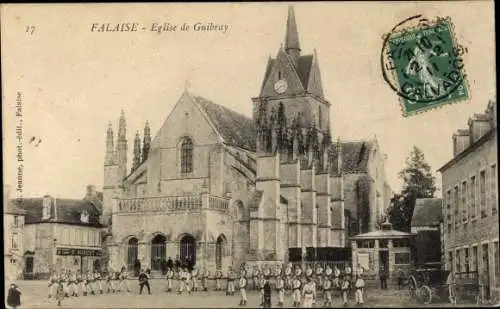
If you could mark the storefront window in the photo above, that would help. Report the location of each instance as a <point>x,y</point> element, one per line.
<point>368,243</point>
<point>400,243</point>
<point>402,258</point>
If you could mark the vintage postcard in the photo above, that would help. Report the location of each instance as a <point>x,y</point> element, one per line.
<point>265,154</point>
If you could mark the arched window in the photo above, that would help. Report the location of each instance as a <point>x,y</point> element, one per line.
<point>186,155</point>
<point>158,251</point>
<point>219,251</point>
<point>132,252</point>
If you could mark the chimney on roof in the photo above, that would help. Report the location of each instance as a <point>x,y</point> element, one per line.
<point>479,125</point>
<point>91,191</point>
<point>461,141</point>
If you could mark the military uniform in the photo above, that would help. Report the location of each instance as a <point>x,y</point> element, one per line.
<point>344,289</point>
<point>194,278</point>
<point>170,278</point>
<point>218,278</point>
<point>123,280</point>
<point>79,282</point>
<point>90,283</point>
<point>308,295</point>
<point>280,286</point>
<point>204,279</point>
<point>262,282</point>
<point>319,276</point>
<point>230,282</point>
<point>360,289</point>
<point>297,286</point>
<point>256,276</point>
<point>288,276</point>
<point>243,293</point>
<point>98,282</point>
<point>327,291</point>
<point>53,282</point>
<point>73,284</point>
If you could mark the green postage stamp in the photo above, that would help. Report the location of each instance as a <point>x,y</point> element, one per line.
<point>423,64</point>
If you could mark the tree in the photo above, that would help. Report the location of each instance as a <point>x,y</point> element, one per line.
<point>418,182</point>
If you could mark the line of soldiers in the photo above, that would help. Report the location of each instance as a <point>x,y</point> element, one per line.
<point>302,285</point>
<point>90,283</point>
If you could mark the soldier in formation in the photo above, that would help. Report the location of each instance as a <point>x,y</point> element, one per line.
<point>243,293</point>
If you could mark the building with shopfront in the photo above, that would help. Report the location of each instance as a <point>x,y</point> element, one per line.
<point>13,230</point>
<point>61,233</point>
<point>470,207</point>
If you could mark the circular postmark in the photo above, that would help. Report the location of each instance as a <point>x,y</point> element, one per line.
<point>422,62</point>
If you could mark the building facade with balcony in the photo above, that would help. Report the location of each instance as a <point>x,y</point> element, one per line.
<point>61,234</point>
<point>221,188</point>
<point>13,245</point>
<point>470,201</point>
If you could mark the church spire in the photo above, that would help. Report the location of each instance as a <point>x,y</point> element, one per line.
<point>146,145</point>
<point>292,45</point>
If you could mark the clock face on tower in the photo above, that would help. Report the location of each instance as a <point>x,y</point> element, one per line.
<point>281,86</point>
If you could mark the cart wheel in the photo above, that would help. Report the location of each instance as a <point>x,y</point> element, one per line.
<point>412,287</point>
<point>425,294</point>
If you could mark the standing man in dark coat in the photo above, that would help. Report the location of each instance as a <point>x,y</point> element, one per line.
<point>383,278</point>
<point>14,296</point>
<point>178,263</point>
<point>137,267</point>
<point>170,263</point>
<point>267,293</point>
<point>163,266</point>
<point>144,281</point>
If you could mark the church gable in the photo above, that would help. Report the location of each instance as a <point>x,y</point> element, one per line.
<point>282,68</point>
<point>179,123</point>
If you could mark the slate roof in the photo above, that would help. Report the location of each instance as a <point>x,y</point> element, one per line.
<point>304,68</point>
<point>381,234</point>
<point>427,212</point>
<point>12,209</point>
<point>68,211</point>
<point>235,128</point>
<point>355,156</point>
<point>254,200</point>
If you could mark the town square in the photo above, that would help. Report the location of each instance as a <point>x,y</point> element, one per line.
<point>250,156</point>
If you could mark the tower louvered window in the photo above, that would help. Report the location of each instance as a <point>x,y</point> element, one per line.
<point>187,156</point>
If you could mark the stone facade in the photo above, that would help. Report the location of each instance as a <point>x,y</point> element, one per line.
<point>470,206</point>
<point>226,189</point>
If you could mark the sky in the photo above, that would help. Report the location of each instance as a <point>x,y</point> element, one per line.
<point>73,81</point>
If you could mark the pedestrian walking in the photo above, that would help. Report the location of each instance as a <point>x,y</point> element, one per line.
<point>230,281</point>
<point>262,283</point>
<point>123,280</point>
<point>204,279</point>
<point>14,296</point>
<point>144,281</point>
<point>243,292</point>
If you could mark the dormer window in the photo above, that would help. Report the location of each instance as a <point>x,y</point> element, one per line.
<point>84,217</point>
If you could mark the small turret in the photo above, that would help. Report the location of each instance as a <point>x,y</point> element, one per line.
<point>121,146</point>
<point>146,145</point>
<point>109,158</point>
<point>137,152</point>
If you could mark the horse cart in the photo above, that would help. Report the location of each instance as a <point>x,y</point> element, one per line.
<point>429,285</point>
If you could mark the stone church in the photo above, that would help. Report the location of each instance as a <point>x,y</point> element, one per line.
<point>221,188</point>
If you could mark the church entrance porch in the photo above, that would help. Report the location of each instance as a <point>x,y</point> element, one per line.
<point>187,250</point>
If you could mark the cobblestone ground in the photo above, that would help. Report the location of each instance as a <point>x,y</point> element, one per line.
<point>34,295</point>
